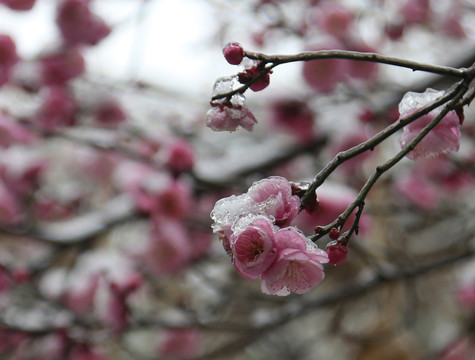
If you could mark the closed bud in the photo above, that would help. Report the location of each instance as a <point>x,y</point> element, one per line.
<point>337,253</point>
<point>233,53</point>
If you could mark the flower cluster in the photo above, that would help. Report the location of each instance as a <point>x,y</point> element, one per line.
<point>255,230</point>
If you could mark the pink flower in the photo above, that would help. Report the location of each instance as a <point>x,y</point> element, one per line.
<point>61,67</point>
<point>354,165</point>
<point>253,248</point>
<point>416,11</point>
<point>294,116</point>
<point>168,250</point>
<point>78,25</point>
<point>20,5</point>
<point>181,343</point>
<point>21,169</point>
<point>324,75</point>
<point>365,70</point>
<point>418,189</point>
<point>442,139</point>
<point>118,310</point>
<point>8,58</point>
<point>179,156</point>
<point>298,266</point>
<point>334,19</point>
<point>12,133</point>
<point>80,299</point>
<point>109,113</point>
<point>57,110</point>
<point>229,118</point>
<point>11,208</point>
<point>275,193</point>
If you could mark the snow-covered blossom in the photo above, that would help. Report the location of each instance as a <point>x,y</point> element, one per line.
<point>275,195</point>
<point>224,118</point>
<point>442,139</point>
<point>229,114</point>
<point>249,226</point>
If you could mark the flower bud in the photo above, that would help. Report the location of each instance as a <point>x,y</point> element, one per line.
<point>233,53</point>
<point>337,253</point>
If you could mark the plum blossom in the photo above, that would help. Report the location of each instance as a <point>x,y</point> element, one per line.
<point>254,248</point>
<point>442,139</point>
<point>298,266</point>
<point>180,343</point>
<point>249,227</point>
<point>275,195</point>
<point>78,25</point>
<point>19,5</point>
<point>8,58</point>
<point>229,118</point>
<point>169,249</point>
<point>334,19</point>
<point>294,116</point>
<point>62,66</point>
<point>324,75</point>
<point>11,132</point>
<point>229,114</point>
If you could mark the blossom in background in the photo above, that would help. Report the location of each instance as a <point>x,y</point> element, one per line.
<point>78,25</point>
<point>294,116</point>
<point>8,58</point>
<point>180,343</point>
<point>442,139</point>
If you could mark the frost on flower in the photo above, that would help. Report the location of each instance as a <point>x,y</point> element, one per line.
<point>442,139</point>
<point>249,227</point>
<point>228,114</point>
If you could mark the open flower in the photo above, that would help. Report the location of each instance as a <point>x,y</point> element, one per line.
<point>253,248</point>
<point>442,139</point>
<point>275,195</point>
<point>298,266</point>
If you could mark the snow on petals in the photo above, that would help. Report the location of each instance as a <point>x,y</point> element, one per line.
<point>254,230</point>
<point>442,139</point>
<point>228,114</point>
